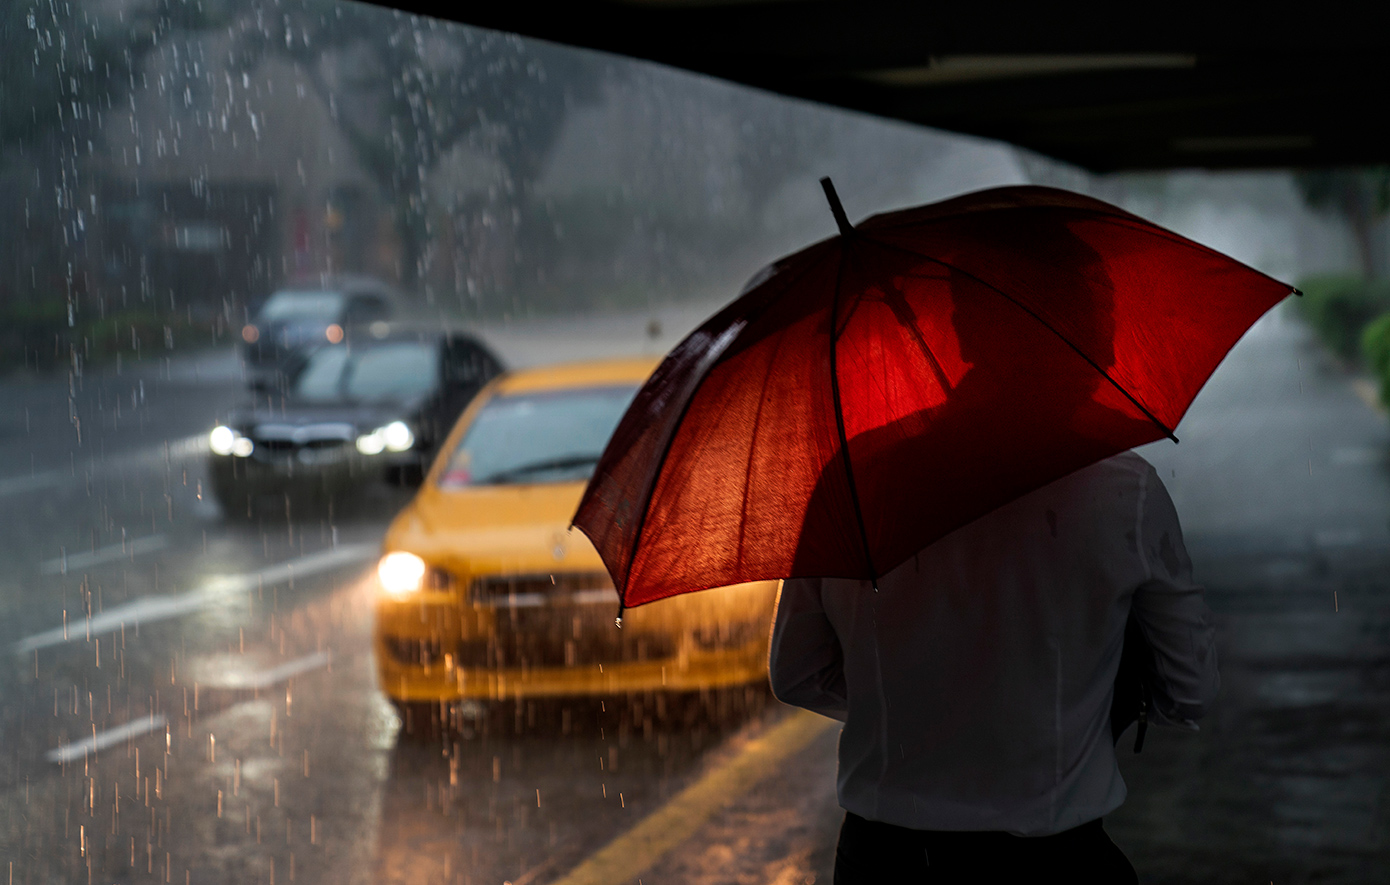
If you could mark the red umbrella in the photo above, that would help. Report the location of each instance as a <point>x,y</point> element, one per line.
<point>877,390</point>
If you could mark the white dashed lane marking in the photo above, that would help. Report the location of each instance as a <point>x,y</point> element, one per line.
<point>127,549</point>
<point>110,737</point>
<point>158,608</point>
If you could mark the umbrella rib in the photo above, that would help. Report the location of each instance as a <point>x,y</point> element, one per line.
<point>675,429</point>
<point>1044,323</point>
<point>904,313</point>
<point>1120,218</point>
<point>840,417</point>
<point>752,444</point>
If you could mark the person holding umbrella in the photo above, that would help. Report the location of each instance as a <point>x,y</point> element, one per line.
<point>974,679</point>
<point>924,425</point>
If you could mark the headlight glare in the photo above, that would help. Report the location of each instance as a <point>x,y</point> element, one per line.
<point>401,573</point>
<point>397,436</point>
<point>225,441</point>
<point>371,443</point>
<point>222,440</point>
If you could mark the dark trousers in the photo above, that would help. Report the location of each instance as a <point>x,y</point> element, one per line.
<point>872,851</point>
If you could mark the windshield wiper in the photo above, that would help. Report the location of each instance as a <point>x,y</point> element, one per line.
<point>564,462</point>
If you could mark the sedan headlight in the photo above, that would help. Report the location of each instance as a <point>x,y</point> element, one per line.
<point>393,437</point>
<point>225,441</point>
<point>401,573</point>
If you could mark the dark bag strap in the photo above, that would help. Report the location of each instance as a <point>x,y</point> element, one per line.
<point>1132,694</point>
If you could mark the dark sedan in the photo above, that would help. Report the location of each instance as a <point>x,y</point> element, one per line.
<point>305,315</point>
<point>373,408</point>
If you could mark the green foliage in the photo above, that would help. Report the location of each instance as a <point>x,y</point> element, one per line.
<point>1358,196</point>
<point>42,336</point>
<point>1375,345</point>
<point>1345,190</point>
<point>64,63</point>
<point>1340,307</point>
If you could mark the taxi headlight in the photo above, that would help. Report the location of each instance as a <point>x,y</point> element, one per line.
<point>394,437</point>
<point>225,441</point>
<point>401,573</point>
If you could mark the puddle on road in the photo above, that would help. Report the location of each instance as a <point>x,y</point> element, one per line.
<point>1306,689</point>
<point>1325,811</point>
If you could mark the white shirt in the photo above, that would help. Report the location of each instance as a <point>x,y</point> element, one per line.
<point>975,685</point>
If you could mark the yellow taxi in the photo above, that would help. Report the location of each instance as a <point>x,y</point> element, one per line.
<point>485,594</point>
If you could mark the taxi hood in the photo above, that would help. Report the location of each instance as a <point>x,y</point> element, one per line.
<point>502,528</point>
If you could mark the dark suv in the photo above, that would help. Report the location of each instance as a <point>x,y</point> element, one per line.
<point>372,408</point>
<point>302,316</point>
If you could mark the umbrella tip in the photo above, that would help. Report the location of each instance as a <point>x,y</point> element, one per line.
<point>1298,292</point>
<point>836,209</point>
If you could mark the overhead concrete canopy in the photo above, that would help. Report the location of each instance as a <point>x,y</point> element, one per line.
<point>1106,87</point>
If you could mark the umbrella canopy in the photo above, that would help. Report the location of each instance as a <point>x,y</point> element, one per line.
<point>870,394</point>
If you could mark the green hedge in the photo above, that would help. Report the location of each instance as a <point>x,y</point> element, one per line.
<point>1340,308</point>
<point>38,337</point>
<point>1375,344</point>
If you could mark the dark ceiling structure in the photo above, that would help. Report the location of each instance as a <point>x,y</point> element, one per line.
<point>1108,88</point>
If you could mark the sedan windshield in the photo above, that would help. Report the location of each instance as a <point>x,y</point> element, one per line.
<point>290,307</point>
<point>385,373</point>
<point>552,436</point>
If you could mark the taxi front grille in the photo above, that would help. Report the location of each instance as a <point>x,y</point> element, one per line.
<point>543,590</point>
<point>563,619</point>
<point>509,649</point>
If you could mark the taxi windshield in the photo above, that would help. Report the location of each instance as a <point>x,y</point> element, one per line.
<point>534,437</point>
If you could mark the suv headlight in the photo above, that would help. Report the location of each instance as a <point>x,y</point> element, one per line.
<point>401,573</point>
<point>225,441</point>
<point>393,437</point>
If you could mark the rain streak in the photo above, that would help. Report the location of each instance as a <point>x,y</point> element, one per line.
<point>316,318</point>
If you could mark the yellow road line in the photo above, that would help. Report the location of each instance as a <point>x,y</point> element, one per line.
<point>637,850</point>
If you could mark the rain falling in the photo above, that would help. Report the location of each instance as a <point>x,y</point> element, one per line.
<point>315,319</point>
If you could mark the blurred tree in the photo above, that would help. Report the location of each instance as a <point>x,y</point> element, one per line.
<point>64,64</point>
<point>64,68</point>
<point>419,87</point>
<point>1360,196</point>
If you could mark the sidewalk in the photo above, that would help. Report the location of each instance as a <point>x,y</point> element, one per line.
<point>1283,485</point>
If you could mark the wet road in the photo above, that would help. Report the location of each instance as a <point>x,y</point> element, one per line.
<point>192,699</point>
<point>1282,481</point>
<point>220,675</point>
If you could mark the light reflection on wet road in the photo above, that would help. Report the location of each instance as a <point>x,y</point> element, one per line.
<point>279,761</point>
<point>195,700</point>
